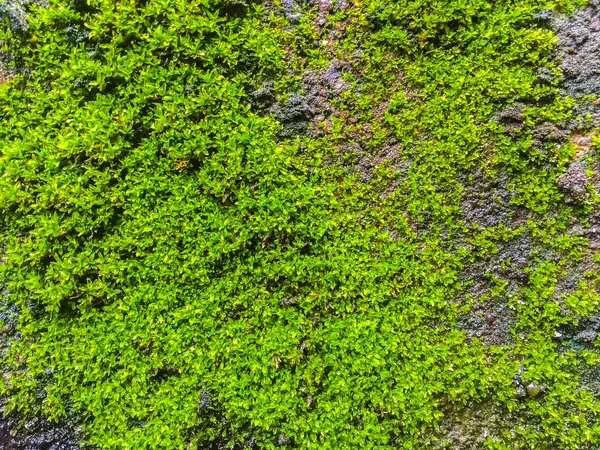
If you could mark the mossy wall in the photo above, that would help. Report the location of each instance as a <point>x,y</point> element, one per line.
<point>328,225</point>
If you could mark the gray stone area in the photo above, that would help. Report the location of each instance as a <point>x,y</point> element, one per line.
<point>301,110</point>
<point>578,58</point>
<point>573,183</point>
<point>14,10</point>
<point>579,44</point>
<point>486,201</point>
<point>34,432</point>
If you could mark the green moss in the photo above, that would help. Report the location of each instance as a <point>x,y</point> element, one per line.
<point>160,240</point>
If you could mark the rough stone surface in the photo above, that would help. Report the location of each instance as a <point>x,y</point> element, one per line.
<point>263,97</point>
<point>467,427</point>
<point>586,336</point>
<point>585,332</point>
<point>294,114</point>
<point>302,111</point>
<point>292,10</point>
<point>546,133</point>
<point>15,11</point>
<point>573,183</point>
<point>490,322</point>
<point>579,43</point>
<point>578,58</point>
<point>511,118</point>
<point>486,200</point>
<point>37,434</point>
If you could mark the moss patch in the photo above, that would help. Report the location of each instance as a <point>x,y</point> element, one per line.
<point>232,224</point>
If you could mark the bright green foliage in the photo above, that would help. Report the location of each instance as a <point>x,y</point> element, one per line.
<point>159,240</point>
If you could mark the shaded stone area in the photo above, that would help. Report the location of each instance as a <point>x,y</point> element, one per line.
<point>492,282</point>
<point>573,183</point>
<point>14,10</point>
<point>486,203</point>
<point>489,321</point>
<point>581,335</point>
<point>302,111</point>
<point>37,434</point>
<point>578,47</point>
<point>490,317</point>
<point>486,200</point>
<point>468,427</point>
<point>310,111</point>
<point>578,57</point>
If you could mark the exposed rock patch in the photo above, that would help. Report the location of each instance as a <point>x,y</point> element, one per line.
<point>302,112</point>
<point>490,321</point>
<point>292,10</point>
<point>547,132</point>
<point>468,427</point>
<point>582,143</point>
<point>578,58</point>
<point>14,10</point>
<point>486,200</point>
<point>573,183</point>
<point>584,333</point>
<point>37,434</point>
<point>578,49</point>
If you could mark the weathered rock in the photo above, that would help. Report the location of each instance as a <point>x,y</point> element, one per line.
<point>292,10</point>
<point>573,183</point>
<point>490,322</point>
<point>486,200</point>
<point>204,400</point>
<point>37,434</point>
<point>15,12</point>
<point>578,47</point>
<point>547,132</point>
<point>263,97</point>
<point>293,114</point>
<point>468,427</point>
<point>586,336</point>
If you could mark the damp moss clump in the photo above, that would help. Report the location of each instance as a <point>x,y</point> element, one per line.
<point>191,267</point>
